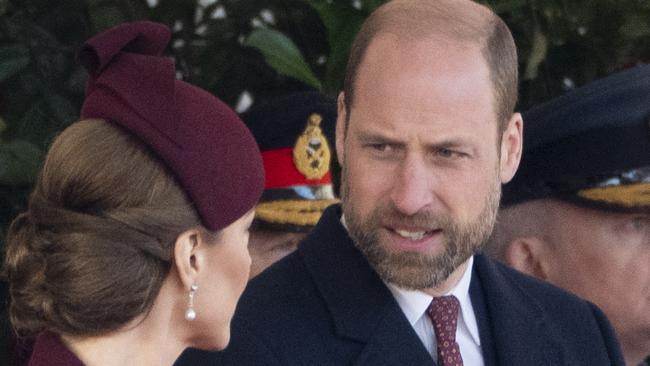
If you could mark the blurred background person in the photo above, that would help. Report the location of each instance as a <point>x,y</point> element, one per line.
<point>134,243</point>
<point>295,133</point>
<point>577,213</point>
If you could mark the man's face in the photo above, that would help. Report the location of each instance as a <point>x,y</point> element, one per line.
<point>605,258</point>
<point>421,168</point>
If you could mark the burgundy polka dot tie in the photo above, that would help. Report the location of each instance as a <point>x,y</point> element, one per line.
<point>443,312</point>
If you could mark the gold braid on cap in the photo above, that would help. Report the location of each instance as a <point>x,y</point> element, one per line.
<point>629,195</point>
<point>296,212</point>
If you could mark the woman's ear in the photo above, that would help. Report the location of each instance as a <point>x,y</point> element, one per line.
<point>188,257</point>
<point>526,254</point>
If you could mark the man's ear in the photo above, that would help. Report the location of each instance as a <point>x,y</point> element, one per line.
<point>188,258</point>
<point>340,128</point>
<point>526,254</point>
<point>511,148</point>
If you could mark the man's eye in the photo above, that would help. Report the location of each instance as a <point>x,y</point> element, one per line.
<point>448,153</point>
<point>380,147</point>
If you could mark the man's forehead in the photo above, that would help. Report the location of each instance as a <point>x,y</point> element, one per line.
<point>423,65</point>
<point>389,46</point>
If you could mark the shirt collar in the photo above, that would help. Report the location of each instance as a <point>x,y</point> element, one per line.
<point>415,303</point>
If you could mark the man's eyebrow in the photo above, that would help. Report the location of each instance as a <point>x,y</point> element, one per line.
<point>449,143</point>
<point>446,143</point>
<point>377,137</point>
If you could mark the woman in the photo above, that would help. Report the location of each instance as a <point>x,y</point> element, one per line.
<point>134,245</point>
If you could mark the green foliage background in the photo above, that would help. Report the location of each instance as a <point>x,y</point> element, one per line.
<point>230,47</point>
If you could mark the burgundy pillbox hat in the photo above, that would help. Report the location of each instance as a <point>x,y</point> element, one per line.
<point>198,137</point>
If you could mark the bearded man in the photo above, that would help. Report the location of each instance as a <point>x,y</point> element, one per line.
<point>426,135</point>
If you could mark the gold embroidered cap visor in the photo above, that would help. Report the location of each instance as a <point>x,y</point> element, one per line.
<point>627,191</point>
<point>296,209</point>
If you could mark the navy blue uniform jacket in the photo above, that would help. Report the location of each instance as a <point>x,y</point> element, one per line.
<point>325,305</point>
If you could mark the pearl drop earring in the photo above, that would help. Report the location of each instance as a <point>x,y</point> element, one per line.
<point>190,314</point>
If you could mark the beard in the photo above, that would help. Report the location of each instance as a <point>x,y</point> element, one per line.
<point>411,270</point>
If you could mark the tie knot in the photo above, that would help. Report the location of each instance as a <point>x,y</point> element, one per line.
<point>443,312</point>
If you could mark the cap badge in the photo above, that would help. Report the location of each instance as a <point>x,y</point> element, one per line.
<point>311,154</point>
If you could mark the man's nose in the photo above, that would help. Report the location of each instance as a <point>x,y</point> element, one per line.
<point>411,189</point>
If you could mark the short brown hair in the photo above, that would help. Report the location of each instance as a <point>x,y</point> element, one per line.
<point>451,19</point>
<point>92,250</point>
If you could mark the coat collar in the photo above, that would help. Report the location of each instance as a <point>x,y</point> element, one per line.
<point>512,318</point>
<point>49,350</point>
<point>360,304</point>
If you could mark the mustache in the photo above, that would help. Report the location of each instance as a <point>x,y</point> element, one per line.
<point>424,220</point>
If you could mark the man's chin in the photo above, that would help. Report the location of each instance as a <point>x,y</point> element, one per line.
<point>410,281</point>
<point>413,271</point>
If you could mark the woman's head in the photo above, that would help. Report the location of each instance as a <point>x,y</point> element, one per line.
<point>149,195</point>
<point>96,243</point>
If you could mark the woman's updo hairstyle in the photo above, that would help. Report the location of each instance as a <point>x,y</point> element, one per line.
<point>95,244</point>
<point>152,157</point>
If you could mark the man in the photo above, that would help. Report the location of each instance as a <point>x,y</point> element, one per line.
<point>294,133</point>
<point>425,135</point>
<point>577,213</point>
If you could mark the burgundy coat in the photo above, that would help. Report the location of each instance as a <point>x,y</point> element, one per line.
<point>49,350</point>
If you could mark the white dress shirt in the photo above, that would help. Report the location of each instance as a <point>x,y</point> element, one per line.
<point>415,303</point>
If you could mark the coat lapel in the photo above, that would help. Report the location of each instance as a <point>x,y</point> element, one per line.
<point>394,346</point>
<point>361,306</point>
<point>517,323</point>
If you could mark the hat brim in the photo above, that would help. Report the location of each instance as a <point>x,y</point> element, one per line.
<point>628,197</point>
<point>292,212</point>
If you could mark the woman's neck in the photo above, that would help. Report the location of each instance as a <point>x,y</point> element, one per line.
<point>155,340</point>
